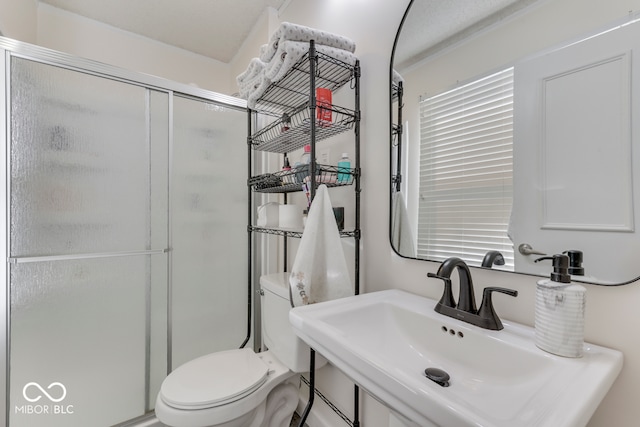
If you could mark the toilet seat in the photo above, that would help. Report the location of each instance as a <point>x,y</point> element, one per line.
<point>214,380</point>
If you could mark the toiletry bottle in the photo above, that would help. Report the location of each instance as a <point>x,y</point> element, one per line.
<point>305,158</point>
<point>344,168</point>
<point>575,262</point>
<point>287,177</point>
<point>302,166</point>
<point>286,123</point>
<point>559,311</point>
<point>287,165</point>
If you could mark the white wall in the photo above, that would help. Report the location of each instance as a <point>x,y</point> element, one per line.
<point>74,34</point>
<point>18,20</point>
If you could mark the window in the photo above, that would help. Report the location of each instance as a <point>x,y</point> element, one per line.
<point>466,171</point>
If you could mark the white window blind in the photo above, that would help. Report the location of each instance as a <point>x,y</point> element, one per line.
<point>466,171</point>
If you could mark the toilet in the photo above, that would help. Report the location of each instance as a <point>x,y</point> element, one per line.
<point>241,388</point>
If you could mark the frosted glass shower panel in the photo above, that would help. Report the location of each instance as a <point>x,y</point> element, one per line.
<point>80,161</point>
<point>81,325</point>
<point>209,247</point>
<point>158,209</point>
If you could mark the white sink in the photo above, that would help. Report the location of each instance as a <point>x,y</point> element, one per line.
<point>385,340</point>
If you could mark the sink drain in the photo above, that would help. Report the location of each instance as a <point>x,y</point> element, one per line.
<point>438,376</point>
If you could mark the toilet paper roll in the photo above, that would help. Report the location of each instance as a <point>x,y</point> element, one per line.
<point>268,215</point>
<point>289,216</point>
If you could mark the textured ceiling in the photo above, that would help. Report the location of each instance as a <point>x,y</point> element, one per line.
<point>213,28</point>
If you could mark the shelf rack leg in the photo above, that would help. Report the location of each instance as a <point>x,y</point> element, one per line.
<point>312,375</point>
<point>249,235</point>
<point>356,389</point>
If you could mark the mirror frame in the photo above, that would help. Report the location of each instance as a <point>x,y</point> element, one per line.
<point>392,183</point>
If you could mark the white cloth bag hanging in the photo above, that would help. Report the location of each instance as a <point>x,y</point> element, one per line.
<point>319,271</point>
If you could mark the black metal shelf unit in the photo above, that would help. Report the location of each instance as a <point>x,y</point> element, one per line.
<point>292,91</point>
<point>289,181</point>
<point>396,133</point>
<point>293,129</point>
<point>291,106</point>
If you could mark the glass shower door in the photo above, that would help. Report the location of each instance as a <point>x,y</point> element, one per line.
<point>209,229</point>
<point>88,237</point>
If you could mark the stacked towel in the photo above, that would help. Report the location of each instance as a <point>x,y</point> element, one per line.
<point>396,78</point>
<point>251,78</point>
<point>286,46</point>
<point>293,32</point>
<point>289,52</point>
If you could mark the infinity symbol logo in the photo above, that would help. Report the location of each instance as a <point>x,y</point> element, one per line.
<point>42,391</point>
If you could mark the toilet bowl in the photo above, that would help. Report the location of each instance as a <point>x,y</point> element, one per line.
<point>230,389</point>
<point>242,388</point>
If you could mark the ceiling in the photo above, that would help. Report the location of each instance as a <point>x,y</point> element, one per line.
<point>433,25</point>
<point>217,28</point>
<point>213,28</point>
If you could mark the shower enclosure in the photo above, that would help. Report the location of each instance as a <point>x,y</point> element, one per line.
<point>124,201</point>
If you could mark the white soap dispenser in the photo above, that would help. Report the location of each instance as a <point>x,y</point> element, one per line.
<point>559,314</point>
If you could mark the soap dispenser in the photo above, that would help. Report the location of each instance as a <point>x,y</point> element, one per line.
<point>559,311</point>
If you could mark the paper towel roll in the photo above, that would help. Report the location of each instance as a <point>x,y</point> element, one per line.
<point>559,318</point>
<point>289,216</point>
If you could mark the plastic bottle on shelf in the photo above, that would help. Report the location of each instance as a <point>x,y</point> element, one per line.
<point>286,166</point>
<point>344,168</point>
<point>302,166</point>
<point>305,159</point>
<point>287,176</point>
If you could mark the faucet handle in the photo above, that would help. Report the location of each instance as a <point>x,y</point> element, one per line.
<point>486,311</point>
<point>447,296</point>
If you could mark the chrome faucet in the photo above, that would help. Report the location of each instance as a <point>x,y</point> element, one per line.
<point>465,310</point>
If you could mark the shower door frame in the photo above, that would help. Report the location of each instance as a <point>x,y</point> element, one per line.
<point>11,48</point>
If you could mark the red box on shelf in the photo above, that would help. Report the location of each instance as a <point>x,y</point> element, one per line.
<point>323,106</point>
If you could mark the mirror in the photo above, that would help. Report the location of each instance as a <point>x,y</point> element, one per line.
<point>512,135</point>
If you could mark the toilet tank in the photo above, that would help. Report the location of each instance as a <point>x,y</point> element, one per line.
<point>277,333</point>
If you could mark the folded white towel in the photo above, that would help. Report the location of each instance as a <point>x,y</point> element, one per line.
<point>260,88</point>
<point>319,271</point>
<point>290,52</point>
<point>263,53</point>
<point>396,77</point>
<point>255,67</point>
<point>300,33</point>
<point>245,89</point>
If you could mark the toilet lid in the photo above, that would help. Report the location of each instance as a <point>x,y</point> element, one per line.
<point>214,379</point>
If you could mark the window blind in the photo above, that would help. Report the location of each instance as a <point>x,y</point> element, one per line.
<point>466,171</point>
